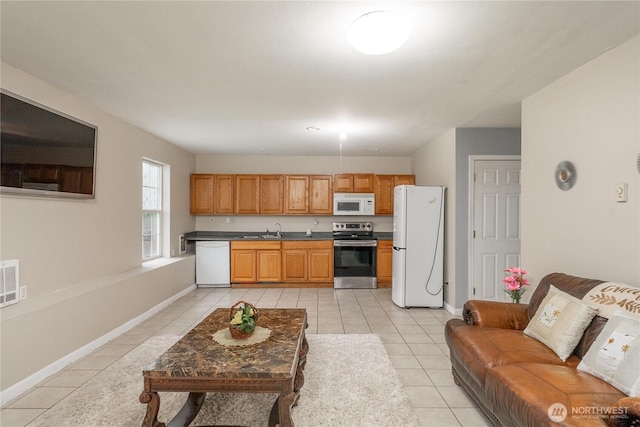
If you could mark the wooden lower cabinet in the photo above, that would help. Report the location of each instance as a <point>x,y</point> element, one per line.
<point>307,261</point>
<point>243,265</point>
<point>294,263</point>
<point>289,263</point>
<point>255,262</point>
<point>321,265</point>
<point>385,264</point>
<point>269,266</point>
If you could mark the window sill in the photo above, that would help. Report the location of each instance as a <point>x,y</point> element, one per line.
<point>162,261</point>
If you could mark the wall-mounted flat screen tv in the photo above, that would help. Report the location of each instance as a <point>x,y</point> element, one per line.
<point>44,152</point>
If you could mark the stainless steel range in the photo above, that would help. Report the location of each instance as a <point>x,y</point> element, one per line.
<point>354,255</point>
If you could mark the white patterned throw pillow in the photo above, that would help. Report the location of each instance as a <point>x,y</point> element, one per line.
<point>615,354</point>
<point>560,322</point>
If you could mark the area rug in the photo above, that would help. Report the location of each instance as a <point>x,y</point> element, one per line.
<point>349,381</point>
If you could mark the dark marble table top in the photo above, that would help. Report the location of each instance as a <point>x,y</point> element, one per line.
<point>197,355</point>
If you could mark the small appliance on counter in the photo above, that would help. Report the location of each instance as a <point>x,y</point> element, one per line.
<point>418,242</point>
<point>354,255</point>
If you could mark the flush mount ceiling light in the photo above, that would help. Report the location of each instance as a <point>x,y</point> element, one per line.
<point>379,32</point>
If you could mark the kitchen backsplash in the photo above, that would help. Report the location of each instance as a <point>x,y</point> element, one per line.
<point>287,223</point>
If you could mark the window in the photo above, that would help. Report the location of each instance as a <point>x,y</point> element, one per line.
<point>151,210</point>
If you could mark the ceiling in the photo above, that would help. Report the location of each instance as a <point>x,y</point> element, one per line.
<point>243,77</point>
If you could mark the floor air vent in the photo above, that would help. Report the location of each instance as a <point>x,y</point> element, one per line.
<point>9,282</point>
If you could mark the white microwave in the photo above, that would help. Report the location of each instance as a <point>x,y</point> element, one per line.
<point>353,204</point>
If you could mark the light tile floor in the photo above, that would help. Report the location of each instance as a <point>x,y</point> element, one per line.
<point>414,339</point>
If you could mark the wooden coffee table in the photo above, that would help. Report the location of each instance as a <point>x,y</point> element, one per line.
<point>197,364</point>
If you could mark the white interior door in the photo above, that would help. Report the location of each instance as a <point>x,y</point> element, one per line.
<point>495,213</point>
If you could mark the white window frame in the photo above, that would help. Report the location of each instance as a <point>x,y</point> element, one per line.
<point>153,203</point>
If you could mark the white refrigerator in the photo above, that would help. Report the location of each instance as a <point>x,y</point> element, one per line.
<point>418,246</point>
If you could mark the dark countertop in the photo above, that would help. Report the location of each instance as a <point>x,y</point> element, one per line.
<point>289,235</point>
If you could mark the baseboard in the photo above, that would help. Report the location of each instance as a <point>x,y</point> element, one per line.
<point>452,310</point>
<point>55,367</point>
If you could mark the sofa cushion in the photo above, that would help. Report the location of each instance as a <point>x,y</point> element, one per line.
<point>573,285</point>
<point>560,321</point>
<point>615,355</point>
<point>482,348</point>
<point>535,394</point>
<point>612,297</point>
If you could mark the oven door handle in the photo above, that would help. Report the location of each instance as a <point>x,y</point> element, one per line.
<point>358,243</point>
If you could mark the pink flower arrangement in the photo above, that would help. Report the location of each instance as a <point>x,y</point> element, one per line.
<point>515,282</point>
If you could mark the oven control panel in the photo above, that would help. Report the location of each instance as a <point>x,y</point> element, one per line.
<point>353,226</point>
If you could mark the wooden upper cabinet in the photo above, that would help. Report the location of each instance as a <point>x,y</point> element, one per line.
<point>247,194</point>
<point>296,194</point>
<point>42,173</point>
<point>76,179</point>
<point>343,183</point>
<point>321,194</point>
<point>224,194</point>
<point>363,183</point>
<point>404,180</point>
<point>202,193</point>
<point>383,190</point>
<point>353,183</point>
<point>227,194</point>
<point>271,194</point>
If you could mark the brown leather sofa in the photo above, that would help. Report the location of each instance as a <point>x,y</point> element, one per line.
<point>517,381</point>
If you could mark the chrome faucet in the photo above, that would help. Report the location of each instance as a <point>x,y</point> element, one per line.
<point>278,233</point>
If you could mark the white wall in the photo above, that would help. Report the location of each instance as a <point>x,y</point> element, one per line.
<point>434,164</point>
<point>592,118</point>
<point>474,141</point>
<point>81,260</point>
<point>445,161</point>
<point>328,165</point>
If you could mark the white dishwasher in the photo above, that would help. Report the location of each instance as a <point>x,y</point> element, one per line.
<point>213,263</point>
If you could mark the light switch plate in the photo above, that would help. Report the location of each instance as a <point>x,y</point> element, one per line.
<point>621,193</point>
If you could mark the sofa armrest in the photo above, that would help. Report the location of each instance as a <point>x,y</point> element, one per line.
<point>628,414</point>
<point>495,314</point>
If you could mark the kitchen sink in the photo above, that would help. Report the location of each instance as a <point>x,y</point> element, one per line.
<point>263,236</point>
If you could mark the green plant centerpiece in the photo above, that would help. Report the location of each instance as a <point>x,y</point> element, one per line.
<point>243,317</point>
